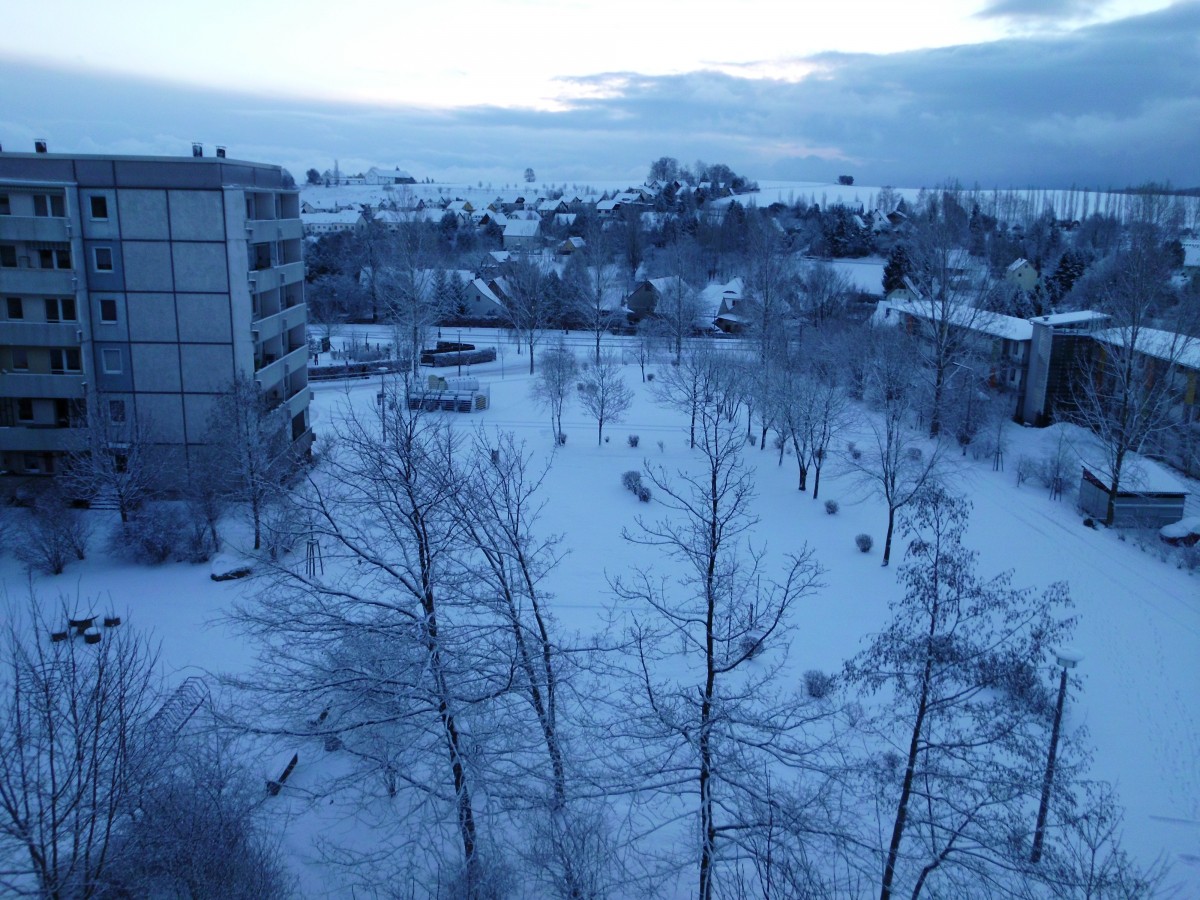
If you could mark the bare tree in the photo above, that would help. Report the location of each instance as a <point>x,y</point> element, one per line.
<point>823,292</point>
<point>508,562</point>
<point>1128,391</point>
<point>950,300</point>
<point>720,721</point>
<point>250,448</point>
<point>199,829</point>
<point>384,639</point>
<point>404,286</point>
<point>593,284</point>
<point>690,384</point>
<point>527,311</point>
<point>898,465</point>
<point>966,710</point>
<point>70,720</point>
<point>115,457</point>
<point>604,394</point>
<point>553,384</point>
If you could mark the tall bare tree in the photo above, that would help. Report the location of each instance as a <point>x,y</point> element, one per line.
<point>72,717</point>
<point>709,722</point>
<point>1128,391</point>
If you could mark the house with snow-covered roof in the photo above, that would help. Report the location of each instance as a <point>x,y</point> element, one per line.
<point>648,295</point>
<point>388,176</point>
<point>320,223</point>
<point>1021,274</point>
<point>523,234</point>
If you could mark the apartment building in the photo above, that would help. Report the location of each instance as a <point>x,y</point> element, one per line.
<point>145,286</point>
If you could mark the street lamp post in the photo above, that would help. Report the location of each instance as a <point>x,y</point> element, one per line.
<point>382,402</point>
<point>1067,659</point>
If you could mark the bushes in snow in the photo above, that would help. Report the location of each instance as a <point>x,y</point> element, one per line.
<point>864,542</point>
<point>632,482</point>
<point>818,685</point>
<point>51,536</point>
<point>831,507</point>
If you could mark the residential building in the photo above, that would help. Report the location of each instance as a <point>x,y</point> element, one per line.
<point>144,285</point>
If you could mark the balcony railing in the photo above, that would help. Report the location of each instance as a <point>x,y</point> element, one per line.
<point>35,228</point>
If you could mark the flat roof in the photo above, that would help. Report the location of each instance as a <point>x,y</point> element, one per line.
<point>163,172</point>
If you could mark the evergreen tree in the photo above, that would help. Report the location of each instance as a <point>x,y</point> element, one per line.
<point>899,265</point>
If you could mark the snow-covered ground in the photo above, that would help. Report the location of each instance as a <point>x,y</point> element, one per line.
<point>1139,615</point>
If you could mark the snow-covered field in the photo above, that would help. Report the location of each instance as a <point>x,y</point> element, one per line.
<point>1139,616</point>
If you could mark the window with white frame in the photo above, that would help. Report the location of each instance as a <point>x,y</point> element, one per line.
<point>110,358</point>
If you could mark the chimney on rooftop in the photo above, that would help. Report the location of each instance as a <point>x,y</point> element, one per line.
<point>220,152</point>
<point>39,145</point>
<point>197,148</point>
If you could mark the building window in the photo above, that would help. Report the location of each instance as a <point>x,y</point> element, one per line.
<point>60,309</point>
<point>65,359</point>
<point>20,359</point>
<point>8,256</point>
<point>33,462</point>
<point>116,412</point>
<point>15,309</point>
<point>103,258</point>
<point>49,205</point>
<point>111,359</point>
<point>99,206</point>
<point>5,206</point>
<point>108,311</point>
<point>25,409</point>
<point>54,259</point>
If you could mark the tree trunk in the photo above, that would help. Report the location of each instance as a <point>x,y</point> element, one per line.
<point>887,544</point>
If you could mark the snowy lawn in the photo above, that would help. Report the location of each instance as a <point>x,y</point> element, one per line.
<point>1139,615</point>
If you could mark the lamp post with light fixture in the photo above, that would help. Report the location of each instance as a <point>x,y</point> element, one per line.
<point>1067,659</point>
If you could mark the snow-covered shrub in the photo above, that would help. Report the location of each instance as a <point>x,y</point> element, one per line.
<point>150,537</point>
<point>818,685</point>
<point>643,493</point>
<point>831,507</point>
<point>282,528</point>
<point>631,480</point>
<point>662,446</point>
<point>51,536</point>
<point>1027,467</point>
<point>751,440</point>
<point>864,542</point>
<point>633,440</point>
<point>562,438</point>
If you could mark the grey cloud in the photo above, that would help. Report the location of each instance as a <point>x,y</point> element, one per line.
<point>1041,10</point>
<point>1109,105</point>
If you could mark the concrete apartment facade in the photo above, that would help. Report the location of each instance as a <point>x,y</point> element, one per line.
<point>144,286</point>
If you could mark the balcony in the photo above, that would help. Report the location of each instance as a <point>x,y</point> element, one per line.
<point>22,384</point>
<point>275,277</point>
<point>298,401</point>
<point>43,334</point>
<point>35,228</point>
<point>38,439</point>
<point>260,231</point>
<point>38,281</point>
<point>271,374</point>
<point>276,324</point>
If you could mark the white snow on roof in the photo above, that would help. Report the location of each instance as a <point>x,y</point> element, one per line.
<point>521,228</point>
<point>969,317</point>
<point>1165,345</point>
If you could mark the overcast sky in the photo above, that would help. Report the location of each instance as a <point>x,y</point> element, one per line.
<point>996,92</point>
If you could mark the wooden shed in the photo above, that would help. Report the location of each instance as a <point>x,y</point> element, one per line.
<point>1147,497</point>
